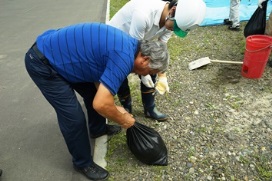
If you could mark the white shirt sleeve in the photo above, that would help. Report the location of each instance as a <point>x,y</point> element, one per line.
<point>166,36</point>
<point>138,25</point>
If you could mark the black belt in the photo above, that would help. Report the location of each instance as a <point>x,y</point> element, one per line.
<point>39,54</point>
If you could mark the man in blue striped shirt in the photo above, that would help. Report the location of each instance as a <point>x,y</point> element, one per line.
<point>98,57</point>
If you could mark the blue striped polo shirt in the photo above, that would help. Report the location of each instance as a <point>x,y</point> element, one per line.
<point>90,52</point>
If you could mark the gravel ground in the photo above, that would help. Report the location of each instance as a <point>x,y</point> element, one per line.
<point>220,125</point>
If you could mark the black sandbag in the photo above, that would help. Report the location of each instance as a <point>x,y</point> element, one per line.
<point>147,145</point>
<point>257,22</point>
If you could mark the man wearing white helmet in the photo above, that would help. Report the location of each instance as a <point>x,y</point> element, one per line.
<point>155,19</point>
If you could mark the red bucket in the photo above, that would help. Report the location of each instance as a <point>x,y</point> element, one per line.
<point>258,49</point>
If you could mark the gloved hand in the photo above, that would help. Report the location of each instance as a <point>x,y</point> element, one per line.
<point>260,3</point>
<point>147,81</point>
<point>162,85</point>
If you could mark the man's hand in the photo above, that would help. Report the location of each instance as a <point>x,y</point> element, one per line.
<point>147,81</point>
<point>129,120</point>
<point>162,84</point>
<point>260,3</point>
<point>127,116</point>
<point>121,109</point>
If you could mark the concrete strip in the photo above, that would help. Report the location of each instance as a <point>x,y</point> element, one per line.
<point>100,151</point>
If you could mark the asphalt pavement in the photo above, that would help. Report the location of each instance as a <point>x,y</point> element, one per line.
<point>31,145</point>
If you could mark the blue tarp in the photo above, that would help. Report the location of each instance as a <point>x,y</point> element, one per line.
<point>218,10</point>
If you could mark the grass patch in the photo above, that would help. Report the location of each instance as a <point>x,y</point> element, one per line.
<point>115,5</point>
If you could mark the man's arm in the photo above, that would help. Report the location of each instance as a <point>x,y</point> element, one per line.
<point>104,104</point>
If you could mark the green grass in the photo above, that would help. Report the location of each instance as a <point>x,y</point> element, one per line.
<point>115,5</point>
<point>262,163</point>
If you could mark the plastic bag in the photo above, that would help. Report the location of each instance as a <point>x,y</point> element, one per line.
<point>147,145</point>
<point>256,24</point>
<point>268,28</point>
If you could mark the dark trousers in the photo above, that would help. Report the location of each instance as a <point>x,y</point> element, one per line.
<point>124,90</point>
<point>87,91</point>
<point>71,119</point>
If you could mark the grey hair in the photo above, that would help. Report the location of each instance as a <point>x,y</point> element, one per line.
<point>157,52</point>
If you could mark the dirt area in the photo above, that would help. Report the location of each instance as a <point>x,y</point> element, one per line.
<point>220,125</point>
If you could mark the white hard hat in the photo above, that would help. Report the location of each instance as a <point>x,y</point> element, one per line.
<point>188,15</point>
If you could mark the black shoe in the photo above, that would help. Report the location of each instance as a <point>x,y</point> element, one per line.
<point>155,114</point>
<point>227,22</point>
<point>235,28</point>
<point>110,131</point>
<point>93,172</point>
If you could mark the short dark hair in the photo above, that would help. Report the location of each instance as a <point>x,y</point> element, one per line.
<point>172,3</point>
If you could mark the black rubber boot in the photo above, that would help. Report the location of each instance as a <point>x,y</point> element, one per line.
<point>270,63</point>
<point>126,102</point>
<point>150,109</point>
